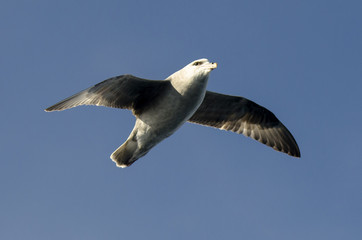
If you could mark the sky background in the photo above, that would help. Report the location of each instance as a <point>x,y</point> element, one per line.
<point>300,59</point>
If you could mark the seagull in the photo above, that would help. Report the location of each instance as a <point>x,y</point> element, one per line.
<point>163,106</point>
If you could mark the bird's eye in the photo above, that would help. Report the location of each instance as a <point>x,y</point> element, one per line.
<point>196,63</point>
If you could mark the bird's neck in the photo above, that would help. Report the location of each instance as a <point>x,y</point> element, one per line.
<point>185,84</point>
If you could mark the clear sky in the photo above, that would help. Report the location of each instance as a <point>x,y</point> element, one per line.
<point>300,59</point>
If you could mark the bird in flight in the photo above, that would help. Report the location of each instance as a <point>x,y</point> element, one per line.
<point>162,106</point>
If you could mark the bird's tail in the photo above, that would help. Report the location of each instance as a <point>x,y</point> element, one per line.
<point>125,155</point>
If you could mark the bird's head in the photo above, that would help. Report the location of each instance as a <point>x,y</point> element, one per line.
<point>198,69</point>
<point>201,67</point>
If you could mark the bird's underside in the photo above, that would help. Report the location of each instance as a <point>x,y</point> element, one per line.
<point>152,103</point>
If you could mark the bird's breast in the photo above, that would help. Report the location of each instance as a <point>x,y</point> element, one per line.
<point>173,109</point>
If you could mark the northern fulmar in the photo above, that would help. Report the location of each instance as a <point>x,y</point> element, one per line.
<point>162,106</point>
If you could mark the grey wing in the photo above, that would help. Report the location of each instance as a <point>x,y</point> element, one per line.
<point>241,115</point>
<point>124,91</point>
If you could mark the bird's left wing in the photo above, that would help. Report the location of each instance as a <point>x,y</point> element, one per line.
<point>241,115</point>
<point>124,91</point>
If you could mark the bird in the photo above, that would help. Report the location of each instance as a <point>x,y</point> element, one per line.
<point>163,106</point>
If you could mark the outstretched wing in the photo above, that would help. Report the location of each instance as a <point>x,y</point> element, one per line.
<point>124,91</point>
<point>241,115</point>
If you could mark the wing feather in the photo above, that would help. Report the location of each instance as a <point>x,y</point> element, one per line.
<point>240,115</point>
<point>125,91</point>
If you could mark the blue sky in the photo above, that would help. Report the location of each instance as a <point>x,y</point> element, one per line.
<point>300,59</point>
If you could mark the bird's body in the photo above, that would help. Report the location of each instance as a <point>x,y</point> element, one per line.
<point>167,113</point>
<point>161,107</point>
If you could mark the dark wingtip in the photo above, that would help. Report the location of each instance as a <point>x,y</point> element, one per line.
<point>295,153</point>
<point>49,109</point>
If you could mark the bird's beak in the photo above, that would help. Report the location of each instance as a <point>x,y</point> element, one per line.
<point>213,66</point>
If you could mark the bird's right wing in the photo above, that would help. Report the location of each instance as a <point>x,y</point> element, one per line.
<point>240,115</point>
<point>125,91</point>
